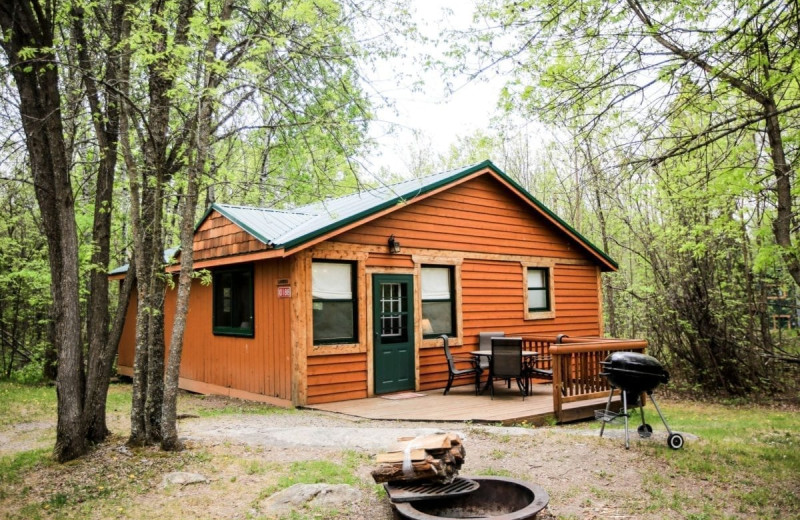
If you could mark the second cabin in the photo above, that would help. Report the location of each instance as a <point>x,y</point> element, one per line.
<point>346,299</point>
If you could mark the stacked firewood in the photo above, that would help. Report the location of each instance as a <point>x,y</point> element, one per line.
<point>432,458</point>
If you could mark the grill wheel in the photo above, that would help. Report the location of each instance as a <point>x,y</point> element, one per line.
<point>675,441</point>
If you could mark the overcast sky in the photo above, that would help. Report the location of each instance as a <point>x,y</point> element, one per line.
<point>440,117</point>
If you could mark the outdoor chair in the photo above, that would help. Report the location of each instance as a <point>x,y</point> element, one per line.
<point>507,363</point>
<point>474,369</point>
<point>486,344</point>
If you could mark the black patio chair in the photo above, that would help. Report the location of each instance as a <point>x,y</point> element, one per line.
<point>452,372</point>
<point>507,363</point>
<point>485,343</point>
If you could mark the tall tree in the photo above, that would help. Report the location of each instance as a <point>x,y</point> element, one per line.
<point>37,39</point>
<point>641,63</point>
<point>29,42</point>
<point>104,102</point>
<point>232,77</point>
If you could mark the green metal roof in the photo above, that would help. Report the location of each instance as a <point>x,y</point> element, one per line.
<point>293,228</point>
<point>169,254</point>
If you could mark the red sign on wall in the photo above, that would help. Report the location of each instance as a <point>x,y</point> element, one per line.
<point>284,291</point>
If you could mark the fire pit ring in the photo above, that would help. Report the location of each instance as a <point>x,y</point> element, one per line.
<point>500,498</point>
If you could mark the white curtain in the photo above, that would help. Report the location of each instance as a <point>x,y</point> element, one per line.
<point>536,279</point>
<point>331,281</point>
<point>435,283</point>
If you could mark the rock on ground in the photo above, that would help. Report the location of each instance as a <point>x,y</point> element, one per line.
<point>310,495</point>
<point>182,478</point>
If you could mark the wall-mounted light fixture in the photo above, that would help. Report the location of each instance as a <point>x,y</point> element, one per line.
<point>394,245</point>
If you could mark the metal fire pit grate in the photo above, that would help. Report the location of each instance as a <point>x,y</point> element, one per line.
<point>412,492</point>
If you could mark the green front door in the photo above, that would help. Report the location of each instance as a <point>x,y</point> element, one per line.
<point>393,326</point>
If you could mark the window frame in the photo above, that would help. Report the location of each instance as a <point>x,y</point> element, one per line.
<point>549,279</point>
<point>354,303</point>
<point>451,285</point>
<point>225,330</point>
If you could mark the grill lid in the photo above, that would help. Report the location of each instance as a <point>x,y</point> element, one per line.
<point>634,372</point>
<point>634,361</point>
<point>410,492</point>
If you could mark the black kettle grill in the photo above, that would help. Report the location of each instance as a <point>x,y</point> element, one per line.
<point>634,374</point>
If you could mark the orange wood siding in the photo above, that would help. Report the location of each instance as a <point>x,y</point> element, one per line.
<point>479,225</point>
<point>493,300</point>
<point>337,377</point>
<point>478,216</point>
<point>482,217</point>
<point>257,365</point>
<point>219,237</point>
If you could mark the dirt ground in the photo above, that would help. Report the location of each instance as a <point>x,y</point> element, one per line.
<point>242,455</point>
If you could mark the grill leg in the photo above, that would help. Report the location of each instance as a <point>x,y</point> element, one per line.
<point>625,412</point>
<point>660,414</point>
<point>608,406</point>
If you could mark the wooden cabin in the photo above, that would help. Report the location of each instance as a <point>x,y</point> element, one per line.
<point>345,299</point>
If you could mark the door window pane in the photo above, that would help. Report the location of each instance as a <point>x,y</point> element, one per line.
<point>394,312</point>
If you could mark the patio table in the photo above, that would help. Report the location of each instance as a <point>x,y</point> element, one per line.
<point>527,357</point>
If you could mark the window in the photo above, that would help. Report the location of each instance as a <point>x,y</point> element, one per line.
<point>538,289</point>
<point>233,301</point>
<point>334,302</point>
<point>437,301</point>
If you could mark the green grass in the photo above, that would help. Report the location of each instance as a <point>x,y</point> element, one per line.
<point>746,461</point>
<point>495,472</point>
<point>33,402</point>
<point>11,466</point>
<point>752,450</point>
<point>315,472</point>
<point>194,405</point>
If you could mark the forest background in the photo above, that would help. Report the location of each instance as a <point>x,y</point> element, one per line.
<point>667,134</point>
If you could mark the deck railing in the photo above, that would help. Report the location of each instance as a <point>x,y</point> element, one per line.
<point>575,363</point>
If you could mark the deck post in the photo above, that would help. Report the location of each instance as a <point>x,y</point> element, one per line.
<point>557,377</point>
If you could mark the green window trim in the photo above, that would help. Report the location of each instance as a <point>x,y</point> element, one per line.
<point>233,302</point>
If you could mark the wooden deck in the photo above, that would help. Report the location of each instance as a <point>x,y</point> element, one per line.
<point>461,404</point>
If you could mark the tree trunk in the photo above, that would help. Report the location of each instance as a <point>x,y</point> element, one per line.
<point>106,123</point>
<point>608,288</point>
<point>155,358</point>
<point>169,440</point>
<point>782,225</point>
<point>203,129</point>
<point>27,27</point>
<point>147,248</point>
<point>148,229</point>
